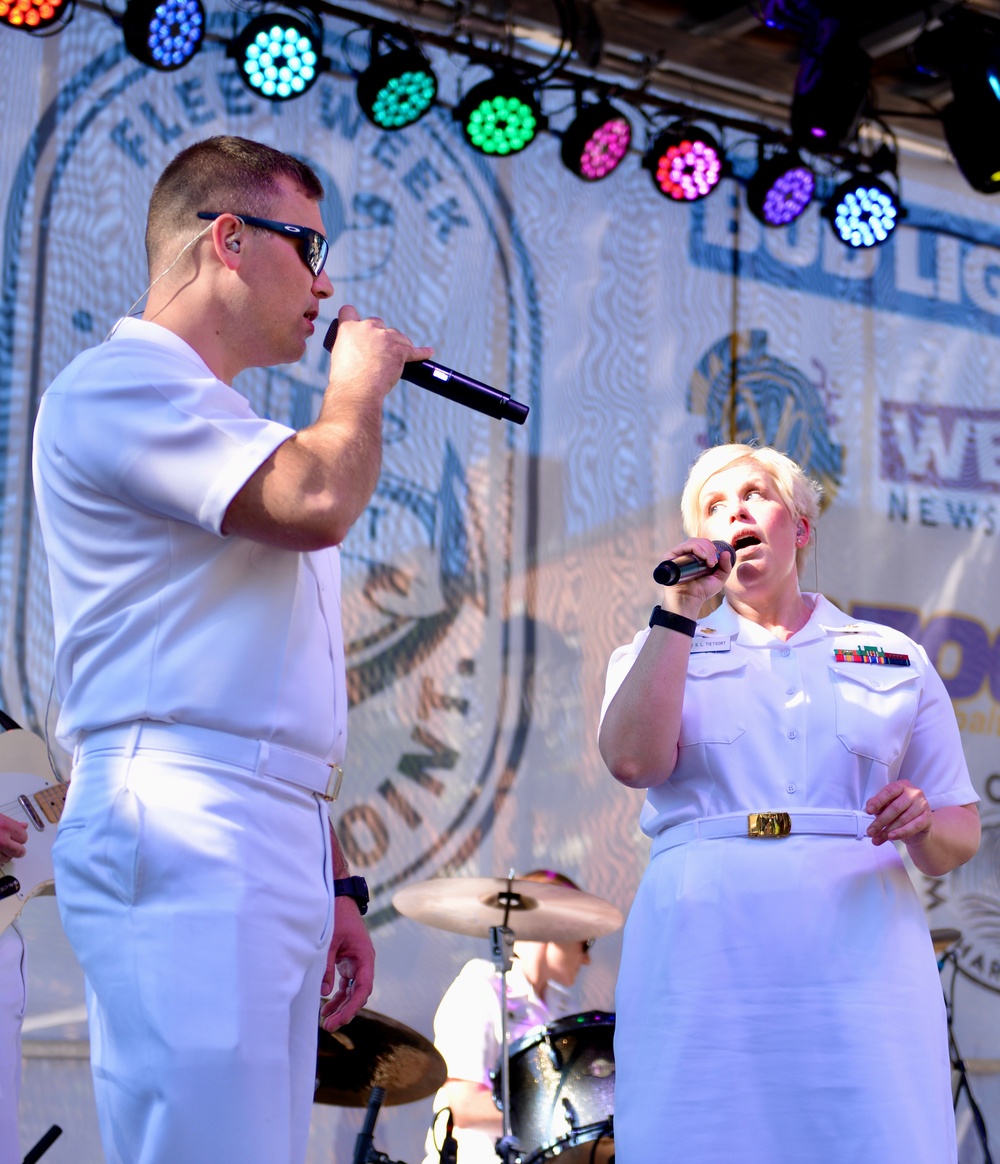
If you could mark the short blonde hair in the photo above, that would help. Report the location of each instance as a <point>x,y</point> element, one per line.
<point>799,494</point>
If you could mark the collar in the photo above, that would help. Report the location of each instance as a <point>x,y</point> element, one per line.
<point>825,620</point>
<point>132,328</point>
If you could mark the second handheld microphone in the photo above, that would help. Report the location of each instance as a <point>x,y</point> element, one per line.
<point>453,385</point>
<point>675,570</point>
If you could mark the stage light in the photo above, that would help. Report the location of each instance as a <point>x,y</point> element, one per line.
<point>279,56</point>
<point>500,116</point>
<point>966,49</point>
<point>831,88</point>
<point>597,141</point>
<point>686,163</point>
<point>864,211</point>
<point>164,34</point>
<point>34,15</point>
<point>781,189</point>
<point>397,88</point>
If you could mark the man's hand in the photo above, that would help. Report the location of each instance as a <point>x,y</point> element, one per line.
<point>351,959</point>
<point>13,836</point>
<point>367,358</point>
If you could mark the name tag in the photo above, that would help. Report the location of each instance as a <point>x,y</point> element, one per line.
<point>710,643</point>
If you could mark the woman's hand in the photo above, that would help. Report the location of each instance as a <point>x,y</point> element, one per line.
<point>901,813</point>
<point>687,598</point>
<point>938,840</point>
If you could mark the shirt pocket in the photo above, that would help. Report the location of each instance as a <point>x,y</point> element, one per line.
<point>714,700</point>
<point>876,707</point>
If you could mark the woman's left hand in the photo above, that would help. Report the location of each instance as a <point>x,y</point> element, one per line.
<point>901,813</point>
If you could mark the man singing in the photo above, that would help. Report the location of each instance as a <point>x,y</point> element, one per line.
<point>200,667</point>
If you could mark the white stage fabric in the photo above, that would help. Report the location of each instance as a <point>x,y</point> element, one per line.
<point>497,567</point>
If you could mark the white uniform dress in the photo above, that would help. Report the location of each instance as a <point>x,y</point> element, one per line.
<point>778,1000</point>
<point>467,1032</point>
<point>201,682</point>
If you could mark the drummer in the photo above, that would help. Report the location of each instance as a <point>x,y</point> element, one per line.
<point>467,1031</point>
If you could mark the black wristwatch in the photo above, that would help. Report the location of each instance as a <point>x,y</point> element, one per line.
<point>356,887</point>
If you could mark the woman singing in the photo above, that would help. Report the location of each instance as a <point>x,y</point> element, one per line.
<point>778,1000</point>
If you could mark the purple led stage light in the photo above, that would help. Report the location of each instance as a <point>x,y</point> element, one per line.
<point>781,189</point>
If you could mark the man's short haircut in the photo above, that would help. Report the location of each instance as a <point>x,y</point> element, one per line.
<point>799,494</point>
<point>222,174</point>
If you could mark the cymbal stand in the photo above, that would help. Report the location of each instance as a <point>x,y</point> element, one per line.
<point>957,1062</point>
<point>502,941</point>
<point>365,1151</point>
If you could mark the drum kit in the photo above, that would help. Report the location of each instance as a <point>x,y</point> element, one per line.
<point>554,1086</point>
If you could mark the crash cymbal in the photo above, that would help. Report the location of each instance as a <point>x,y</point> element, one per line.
<point>943,940</point>
<point>373,1050</point>
<point>536,911</point>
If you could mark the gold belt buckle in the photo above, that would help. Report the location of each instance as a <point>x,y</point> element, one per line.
<point>768,824</point>
<point>334,783</point>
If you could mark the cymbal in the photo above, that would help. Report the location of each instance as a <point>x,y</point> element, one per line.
<point>373,1050</point>
<point>535,910</point>
<point>943,940</point>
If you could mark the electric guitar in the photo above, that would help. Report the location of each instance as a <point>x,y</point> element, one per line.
<point>37,799</point>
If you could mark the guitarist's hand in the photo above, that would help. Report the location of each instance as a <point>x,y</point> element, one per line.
<point>352,957</point>
<point>13,834</point>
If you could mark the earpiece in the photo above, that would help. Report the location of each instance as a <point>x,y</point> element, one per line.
<point>800,533</point>
<point>233,245</point>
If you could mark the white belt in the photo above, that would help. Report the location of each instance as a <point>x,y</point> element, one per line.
<point>827,822</point>
<point>259,756</point>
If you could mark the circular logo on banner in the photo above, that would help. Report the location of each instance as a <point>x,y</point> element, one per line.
<point>438,633</point>
<point>968,900</point>
<point>747,395</point>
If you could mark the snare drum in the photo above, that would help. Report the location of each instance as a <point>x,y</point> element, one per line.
<point>562,1090</point>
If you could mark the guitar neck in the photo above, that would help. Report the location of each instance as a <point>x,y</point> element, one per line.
<point>51,801</point>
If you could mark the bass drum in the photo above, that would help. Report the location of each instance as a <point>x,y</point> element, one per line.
<point>562,1090</point>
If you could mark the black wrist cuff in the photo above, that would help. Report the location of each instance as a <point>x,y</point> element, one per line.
<point>356,887</point>
<point>677,622</point>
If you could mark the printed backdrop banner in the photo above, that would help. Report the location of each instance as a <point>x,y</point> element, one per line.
<point>497,567</point>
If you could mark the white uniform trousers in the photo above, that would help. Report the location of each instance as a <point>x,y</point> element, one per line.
<point>11,1017</point>
<point>198,899</point>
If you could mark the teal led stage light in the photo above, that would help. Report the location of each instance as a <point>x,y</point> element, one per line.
<point>397,88</point>
<point>279,56</point>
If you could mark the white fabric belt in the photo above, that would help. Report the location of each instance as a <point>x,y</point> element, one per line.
<point>259,756</point>
<point>827,822</point>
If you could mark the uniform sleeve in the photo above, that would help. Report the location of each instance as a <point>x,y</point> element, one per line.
<point>619,666</point>
<point>934,760</point>
<point>168,439</point>
<point>465,1026</point>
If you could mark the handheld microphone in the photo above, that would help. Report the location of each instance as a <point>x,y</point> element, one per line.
<point>675,570</point>
<point>453,385</point>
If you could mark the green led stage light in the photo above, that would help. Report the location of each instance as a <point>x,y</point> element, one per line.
<point>500,116</point>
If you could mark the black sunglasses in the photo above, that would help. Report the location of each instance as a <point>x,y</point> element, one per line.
<point>314,250</point>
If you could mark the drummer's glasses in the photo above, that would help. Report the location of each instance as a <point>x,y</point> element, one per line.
<point>588,944</point>
<point>313,247</point>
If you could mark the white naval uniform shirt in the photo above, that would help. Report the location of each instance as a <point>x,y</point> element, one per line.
<point>809,714</point>
<point>138,451</point>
